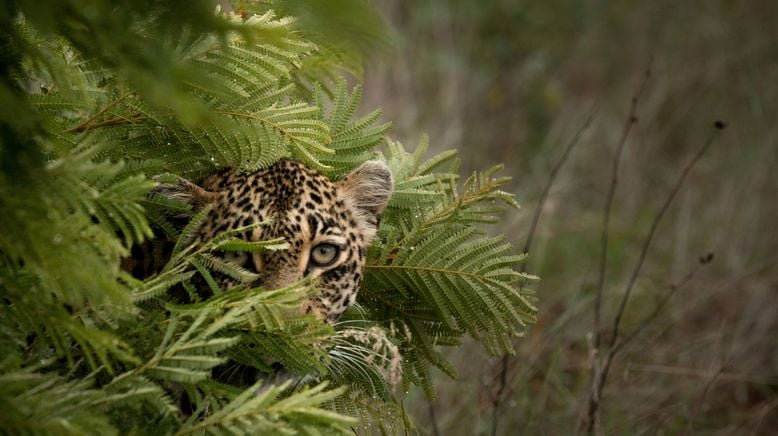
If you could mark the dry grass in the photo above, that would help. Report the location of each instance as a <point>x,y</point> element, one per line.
<point>512,83</point>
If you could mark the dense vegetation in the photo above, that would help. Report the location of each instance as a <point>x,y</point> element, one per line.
<point>104,100</point>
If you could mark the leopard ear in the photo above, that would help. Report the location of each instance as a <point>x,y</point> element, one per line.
<point>369,187</point>
<point>186,191</point>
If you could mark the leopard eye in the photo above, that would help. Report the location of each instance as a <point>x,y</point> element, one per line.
<point>324,254</point>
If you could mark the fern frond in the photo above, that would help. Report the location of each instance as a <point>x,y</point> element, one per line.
<point>176,360</point>
<point>235,244</point>
<point>38,403</point>
<point>444,278</point>
<point>256,411</point>
<point>352,141</point>
<point>49,330</point>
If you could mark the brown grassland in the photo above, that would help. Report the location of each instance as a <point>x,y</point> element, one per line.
<point>515,82</point>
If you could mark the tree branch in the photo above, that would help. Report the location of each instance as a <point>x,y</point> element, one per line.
<point>600,373</point>
<point>86,125</point>
<point>632,118</point>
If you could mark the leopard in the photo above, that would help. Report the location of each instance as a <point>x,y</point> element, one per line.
<point>328,225</point>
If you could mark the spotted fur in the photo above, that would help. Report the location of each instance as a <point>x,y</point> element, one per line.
<point>306,209</point>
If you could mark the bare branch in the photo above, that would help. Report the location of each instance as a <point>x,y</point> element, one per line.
<point>550,182</point>
<point>657,310</point>
<point>88,124</point>
<point>600,373</point>
<point>594,397</point>
<point>650,236</point>
<point>630,122</point>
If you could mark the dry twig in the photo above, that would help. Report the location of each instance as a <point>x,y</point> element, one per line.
<point>632,119</point>
<point>600,369</point>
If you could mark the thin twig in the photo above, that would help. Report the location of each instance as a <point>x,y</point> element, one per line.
<point>615,347</point>
<point>600,377</point>
<point>652,231</point>
<point>631,120</point>
<point>550,182</point>
<point>405,417</point>
<point>497,400</point>
<point>594,397</point>
<point>115,121</point>
<point>434,419</point>
<point>657,310</point>
<point>87,124</point>
<point>505,361</point>
<point>701,399</point>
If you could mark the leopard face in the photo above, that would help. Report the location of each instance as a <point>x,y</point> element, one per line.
<point>328,225</point>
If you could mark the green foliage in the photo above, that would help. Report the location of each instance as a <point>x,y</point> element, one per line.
<point>263,412</point>
<point>446,278</point>
<point>103,118</point>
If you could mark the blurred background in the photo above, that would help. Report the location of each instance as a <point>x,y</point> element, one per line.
<point>513,82</point>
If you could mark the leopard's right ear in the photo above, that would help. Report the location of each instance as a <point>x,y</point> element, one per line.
<point>369,187</point>
<point>183,190</point>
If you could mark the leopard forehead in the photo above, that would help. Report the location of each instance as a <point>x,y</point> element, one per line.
<point>306,209</point>
<point>295,200</point>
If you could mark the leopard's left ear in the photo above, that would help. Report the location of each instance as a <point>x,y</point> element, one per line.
<point>187,192</point>
<point>369,187</point>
